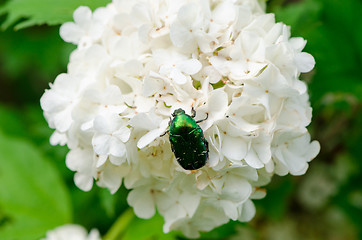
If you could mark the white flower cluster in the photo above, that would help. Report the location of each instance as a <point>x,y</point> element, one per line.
<point>72,232</point>
<point>137,61</point>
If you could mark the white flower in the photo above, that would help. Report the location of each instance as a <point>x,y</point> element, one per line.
<point>83,161</point>
<point>72,232</point>
<point>292,152</point>
<point>142,199</point>
<point>111,133</point>
<point>110,176</point>
<point>136,62</point>
<point>259,152</point>
<point>59,103</point>
<point>205,219</point>
<point>86,29</point>
<point>188,31</point>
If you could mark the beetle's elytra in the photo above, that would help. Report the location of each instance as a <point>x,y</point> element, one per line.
<point>187,140</point>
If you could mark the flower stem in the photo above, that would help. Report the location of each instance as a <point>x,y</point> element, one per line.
<point>119,226</point>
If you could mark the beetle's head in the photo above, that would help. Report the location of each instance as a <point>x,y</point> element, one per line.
<point>178,111</point>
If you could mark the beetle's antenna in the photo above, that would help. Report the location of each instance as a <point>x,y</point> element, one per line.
<point>193,112</point>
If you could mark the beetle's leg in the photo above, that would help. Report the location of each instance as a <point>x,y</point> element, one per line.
<point>193,112</point>
<point>207,146</point>
<point>207,116</point>
<point>169,123</point>
<point>163,134</point>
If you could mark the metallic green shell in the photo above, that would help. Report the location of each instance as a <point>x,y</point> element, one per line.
<point>187,141</point>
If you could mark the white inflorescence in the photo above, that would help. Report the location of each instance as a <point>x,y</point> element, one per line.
<point>137,61</point>
<point>72,232</point>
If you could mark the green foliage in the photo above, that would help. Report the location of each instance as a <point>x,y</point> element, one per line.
<point>33,197</point>
<point>10,122</point>
<point>39,50</point>
<point>140,229</point>
<point>222,232</point>
<point>108,202</point>
<point>26,13</point>
<point>279,195</point>
<point>97,208</point>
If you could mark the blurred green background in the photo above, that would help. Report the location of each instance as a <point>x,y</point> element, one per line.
<point>37,192</point>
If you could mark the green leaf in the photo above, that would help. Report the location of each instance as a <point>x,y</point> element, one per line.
<point>222,232</point>
<point>33,198</point>
<point>279,192</point>
<point>11,122</point>
<point>28,13</point>
<point>36,54</point>
<point>302,16</point>
<point>147,229</point>
<point>107,201</point>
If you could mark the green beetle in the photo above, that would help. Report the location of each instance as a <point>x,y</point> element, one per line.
<point>187,140</point>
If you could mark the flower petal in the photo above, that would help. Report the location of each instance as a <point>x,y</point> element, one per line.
<point>142,202</point>
<point>101,143</point>
<point>190,67</point>
<point>122,134</point>
<point>152,135</point>
<point>247,211</point>
<point>234,148</point>
<point>305,62</point>
<point>70,32</point>
<point>82,15</point>
<point>83,181</point>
